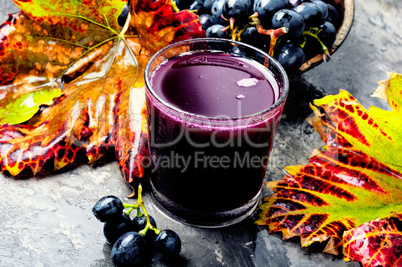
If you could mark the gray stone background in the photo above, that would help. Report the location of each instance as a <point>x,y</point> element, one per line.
<point>48,221</point>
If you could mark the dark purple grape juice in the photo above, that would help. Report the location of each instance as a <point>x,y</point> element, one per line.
<point>213,85</point>
<point>210,134</point>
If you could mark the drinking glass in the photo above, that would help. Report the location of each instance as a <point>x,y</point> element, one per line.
<point>208,171</point>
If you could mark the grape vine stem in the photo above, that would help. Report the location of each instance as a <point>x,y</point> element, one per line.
<point>137,206</point>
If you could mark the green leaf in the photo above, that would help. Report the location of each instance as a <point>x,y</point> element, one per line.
<point>24,107</point>
<point>375,132</point>
<point>354,179</point>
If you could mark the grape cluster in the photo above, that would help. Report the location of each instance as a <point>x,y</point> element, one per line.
<point>133,239</point>
<point>289,30</point>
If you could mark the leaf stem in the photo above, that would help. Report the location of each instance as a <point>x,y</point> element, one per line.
<point>87,51</point>
<point>65,41</point>
<point>126,24</point>
<point>86,19</point>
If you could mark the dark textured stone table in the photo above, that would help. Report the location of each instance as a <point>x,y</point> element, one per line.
<point>48,221</point>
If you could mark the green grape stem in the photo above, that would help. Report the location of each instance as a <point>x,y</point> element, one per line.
<point>313,32</point>
<point>139,205</point>
<point>233,28</point>
<point>175,7</point>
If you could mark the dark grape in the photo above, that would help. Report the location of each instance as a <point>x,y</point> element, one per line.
<point>183,4</point>
<point>323,9</point>
<point>121,20</point>
<point>208,4</point>
<point>207,21</point>
<point>216,31</point>
<point>291,57</point>
<point>264,42</point>
<point>140,222</point>
<point>198,5</point>
<point>267,8</point>
<point>129,249</point>
<point>312,47</point>
<point>239,10</point>
<point>237,52</point>
<point>168,243</point>
<point>294,3</point>
<point>217,9</point>
<point>250,36</point>
<point>113,230</point>
<point>311,14</point>
<point>327,34</point>
<point>108,208</point>
<point>333,16</point>
<point>291,20</point>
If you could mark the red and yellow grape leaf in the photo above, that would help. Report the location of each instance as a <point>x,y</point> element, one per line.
<point>375,243</point>
<point>77,46</point>
<point>355,179</point>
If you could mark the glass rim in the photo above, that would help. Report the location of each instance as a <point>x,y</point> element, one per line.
<point>282,97</point>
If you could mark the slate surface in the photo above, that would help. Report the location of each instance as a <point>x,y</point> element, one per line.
<point>48,221</point>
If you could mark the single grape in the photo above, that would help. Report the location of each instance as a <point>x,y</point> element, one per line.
<point>208,4</point>
<point>237,52</point>
<point>140,222</point>
<point>250,36</point>
<point>168,243</point>
<point>217,9</point>
<point>198,5</point>
<point>129,249</point>
<point>108,208</point>
<point>312,47</point>
<point>216,31</point>
<point>183,4</point>
<point>264,42</point>
<point>239,10</point>
<point>311,14</point>
<point>294,3</point>
<point>291,57</point>
<point>113,230</point>
<point>291,20</point>
<point>333,16</point>
<point>121,20</point>
<point>323,9</point>
<point>267,8</point>
<point>206,21</point>
<point>327,34</point>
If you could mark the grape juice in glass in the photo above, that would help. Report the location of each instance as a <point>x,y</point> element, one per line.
<point>213,107</point>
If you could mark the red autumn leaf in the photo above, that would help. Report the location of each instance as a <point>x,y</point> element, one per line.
<point>79,47</point>
<point>375,243</point>
<point>355,179</point>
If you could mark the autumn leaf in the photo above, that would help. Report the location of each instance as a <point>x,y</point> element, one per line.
<point>375,243</point>
<point>79,48</point>
<point>355,179</point>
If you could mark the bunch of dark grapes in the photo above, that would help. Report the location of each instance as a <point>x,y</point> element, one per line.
<point>133,239</point>
<point>289,30</point>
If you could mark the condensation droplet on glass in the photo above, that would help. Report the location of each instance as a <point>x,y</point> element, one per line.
<point>240,96</point>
